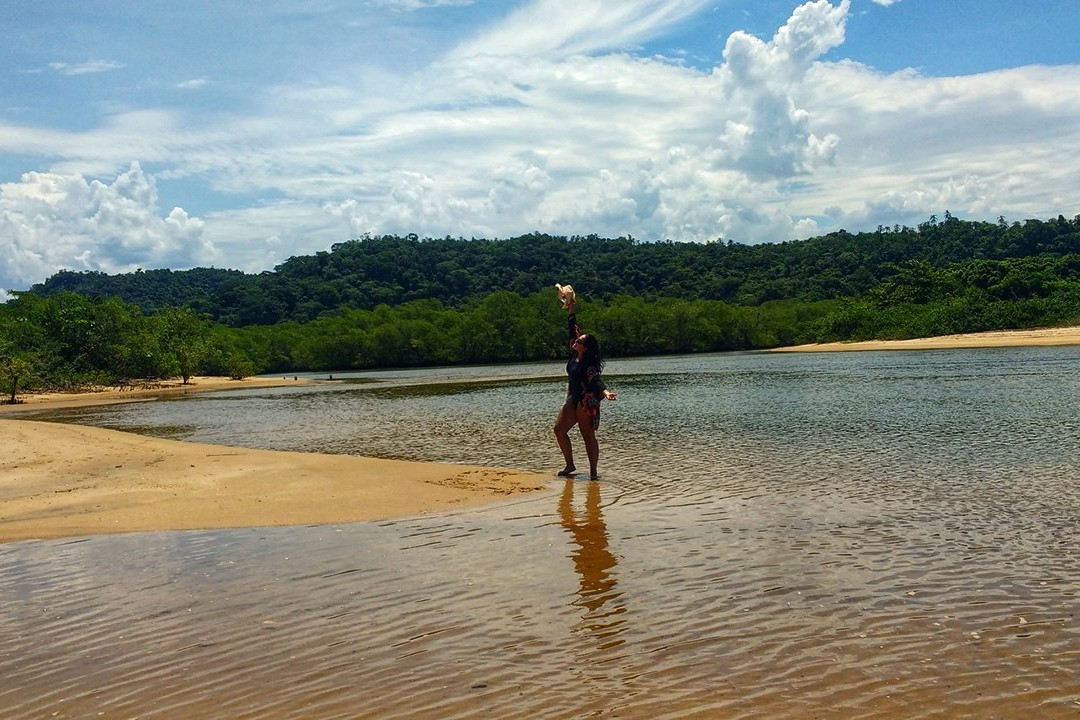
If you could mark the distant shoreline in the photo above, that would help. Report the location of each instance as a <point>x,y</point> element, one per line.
<point>31,402</point>
<point>996,338</point>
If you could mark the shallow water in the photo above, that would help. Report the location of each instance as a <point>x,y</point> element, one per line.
<point>855,535</point>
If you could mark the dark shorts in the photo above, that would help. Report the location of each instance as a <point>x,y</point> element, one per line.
<point>591,403</point>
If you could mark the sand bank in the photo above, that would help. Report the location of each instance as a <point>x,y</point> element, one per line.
<point>32,402</point>
<point>65,480</point>
<point>999,338</point>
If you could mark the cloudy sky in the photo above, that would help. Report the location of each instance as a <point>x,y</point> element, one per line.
<point>234,134</point>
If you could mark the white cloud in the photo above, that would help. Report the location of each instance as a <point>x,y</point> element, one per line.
<point>756,150</point>
<point>886,3</point>
<point>193,84</point>
<point>411,5</point>
<point>544,27</point>
<point>911,146</point>
<point>258,238</point>
<point>51,221</point>
<point>769,135</point>
<point>86,68</point>
<point>618,144</point>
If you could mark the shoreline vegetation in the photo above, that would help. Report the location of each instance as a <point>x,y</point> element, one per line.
<point>66,480</point>
<point>387,301</point>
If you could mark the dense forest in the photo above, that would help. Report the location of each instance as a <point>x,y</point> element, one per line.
<point>365,273</point>
<point>393,301</point>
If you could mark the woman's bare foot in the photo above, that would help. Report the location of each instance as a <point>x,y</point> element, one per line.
<point>567,471</point>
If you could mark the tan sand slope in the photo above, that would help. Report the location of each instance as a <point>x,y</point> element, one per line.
<point>65,480</point>
<point>145,391</point>
<point>1000,338</point>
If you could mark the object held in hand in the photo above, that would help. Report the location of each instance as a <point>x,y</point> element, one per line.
<point>566,294</point>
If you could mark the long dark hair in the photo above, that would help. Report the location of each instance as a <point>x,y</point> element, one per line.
<point>592,357</point>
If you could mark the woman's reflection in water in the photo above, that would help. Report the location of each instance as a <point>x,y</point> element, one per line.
<point>597,594</point>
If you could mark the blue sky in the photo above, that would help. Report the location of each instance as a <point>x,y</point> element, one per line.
<point>233,134</point>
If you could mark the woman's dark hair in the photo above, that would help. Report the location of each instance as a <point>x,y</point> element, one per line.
<point>592,353</point>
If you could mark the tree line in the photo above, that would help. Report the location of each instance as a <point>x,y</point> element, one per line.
<point>69,340</point>
<point>367,272</point>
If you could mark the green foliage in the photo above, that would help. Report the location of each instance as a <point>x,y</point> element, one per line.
<point>389,270</point>
<point>238,366</point>
<point>151,290</point>
<point>922,300</point>
<point>15,372</point>
<point>506,327</point>
<point>69,340</point>
<point>183,341</point>
<point>394,302</point>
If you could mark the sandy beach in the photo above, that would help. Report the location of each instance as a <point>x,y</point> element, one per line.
<point>65,480</point>
<point>34,402</point>
<point>1000,338</point>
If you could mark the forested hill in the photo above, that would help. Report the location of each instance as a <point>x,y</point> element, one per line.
<point>393,270</point>
<point>151,290</point>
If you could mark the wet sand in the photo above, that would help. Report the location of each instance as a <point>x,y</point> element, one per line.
<point>998,338</point>
<point>67,480</point>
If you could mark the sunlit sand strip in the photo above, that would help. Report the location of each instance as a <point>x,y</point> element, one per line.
<point>999,338</point>
<point>147,390</point>
<point>65,480</point>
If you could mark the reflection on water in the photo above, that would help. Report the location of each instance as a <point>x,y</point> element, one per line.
<point>595,564</point>
<point>873,535</point>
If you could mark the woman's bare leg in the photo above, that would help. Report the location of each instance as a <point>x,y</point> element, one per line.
<point>588,434</point>
<point>563,422</point>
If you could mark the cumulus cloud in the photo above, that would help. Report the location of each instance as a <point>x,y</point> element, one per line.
<point>983,145</point>
<point>769,135</point>
<point>618,144</point>
<point>774,143</point>
<point>51,221</point>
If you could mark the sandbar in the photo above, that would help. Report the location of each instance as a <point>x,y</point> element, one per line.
<point>59,480</point>
<point>38,401</point>
<point>991,339</point>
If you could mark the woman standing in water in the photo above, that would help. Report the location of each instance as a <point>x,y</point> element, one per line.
<point>584,392</point>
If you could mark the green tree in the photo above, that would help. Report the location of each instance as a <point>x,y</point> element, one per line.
<point>184,341</point>
<point>238,366</point>
<point>15,372</point>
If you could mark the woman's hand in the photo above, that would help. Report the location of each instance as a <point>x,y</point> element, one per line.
<point>608,395</point>
<point>571,306</point>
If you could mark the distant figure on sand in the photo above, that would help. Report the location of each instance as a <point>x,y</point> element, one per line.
<point>584,392</point>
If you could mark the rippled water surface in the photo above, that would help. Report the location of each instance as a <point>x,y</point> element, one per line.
<point>785,536</point>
